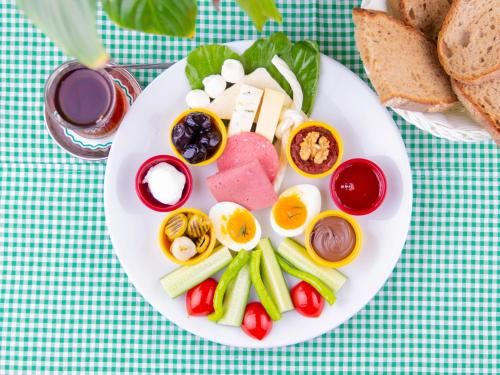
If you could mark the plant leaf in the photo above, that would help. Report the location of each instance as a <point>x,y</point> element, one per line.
<point>303,59</point>
<point>261,52</point>
<point>207,60</point>
<point>164,17</point>
<point>71,25</point>
<point>260,10</point>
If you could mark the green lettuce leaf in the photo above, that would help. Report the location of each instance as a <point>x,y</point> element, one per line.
<point>303,59</point>
<point>71,25</point>
<point>164,17</point>
<point>261,52</point>
<point>206,60</point>
<point>260,11</point>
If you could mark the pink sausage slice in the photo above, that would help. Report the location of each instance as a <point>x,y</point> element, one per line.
<point>244,147</point>
<point>246,184</point>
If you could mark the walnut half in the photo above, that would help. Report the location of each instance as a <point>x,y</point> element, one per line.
<point>314,146</point>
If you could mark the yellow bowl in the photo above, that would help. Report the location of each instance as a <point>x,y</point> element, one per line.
<point>357,246</point>
<point>220,126</point>
<point>165,242</point>
<point>335,135</point>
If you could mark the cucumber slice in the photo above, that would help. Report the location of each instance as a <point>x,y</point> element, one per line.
<point>273,277</point>
<point>184,278</point>
<point>236,298</point>
<point>297,255</point>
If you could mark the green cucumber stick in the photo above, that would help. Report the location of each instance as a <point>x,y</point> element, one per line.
<point>236,298</point>
<point>184,278</point>
<point>273,277</point>
<point>295,254</point>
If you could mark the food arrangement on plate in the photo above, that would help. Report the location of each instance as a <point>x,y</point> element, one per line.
<point>249,115</point>
<point>426,56</point>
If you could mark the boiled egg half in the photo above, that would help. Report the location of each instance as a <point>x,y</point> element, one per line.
<point>235,226</point>
<point>294,209</point>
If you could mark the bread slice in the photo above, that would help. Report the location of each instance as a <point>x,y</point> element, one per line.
<point>469,41</point>
<point>401,63</point>
<point>483,102</point>
<point>425,15</point>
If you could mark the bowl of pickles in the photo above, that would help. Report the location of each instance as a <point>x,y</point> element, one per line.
<point>187,236</point>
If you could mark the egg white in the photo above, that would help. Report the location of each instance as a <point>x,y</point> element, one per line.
<point>219,214</point>
<point>310,196</point>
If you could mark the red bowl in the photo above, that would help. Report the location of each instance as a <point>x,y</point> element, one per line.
<point>360,180</point>
<point>145,195</point>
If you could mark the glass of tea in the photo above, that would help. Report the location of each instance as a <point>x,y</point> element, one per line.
<point>84,100</point>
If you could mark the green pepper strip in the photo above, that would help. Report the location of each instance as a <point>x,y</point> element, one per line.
<point>316,283</point>
<point>261,290</point>
<point>231,271</point>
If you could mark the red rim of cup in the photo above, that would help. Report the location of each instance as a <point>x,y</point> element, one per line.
<point>380,177</point>
<point>145,195</point>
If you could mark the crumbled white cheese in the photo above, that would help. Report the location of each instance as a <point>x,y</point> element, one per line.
<point>232,70</point>
<point>197,99</point>
<point>165,183</point>
<point>214,85</point>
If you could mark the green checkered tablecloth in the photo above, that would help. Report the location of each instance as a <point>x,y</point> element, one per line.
<point>67,306</point>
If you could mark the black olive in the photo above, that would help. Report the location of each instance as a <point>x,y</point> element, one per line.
<point>194,153</point>
<point>214,139</point>
<point>191,123</point>
<point>181,136</point>
<point>204,140</point>
<point>190,152</point>
<point>202,154</point>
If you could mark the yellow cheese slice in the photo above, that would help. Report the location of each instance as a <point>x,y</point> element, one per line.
<point>270,111</point>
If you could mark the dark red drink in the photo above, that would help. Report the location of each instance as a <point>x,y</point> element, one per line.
<point>84,97</point>
<point>85,100</point>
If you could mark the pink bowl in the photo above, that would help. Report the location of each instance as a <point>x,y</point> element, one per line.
<point>145,195</point>
<point>382,188</point>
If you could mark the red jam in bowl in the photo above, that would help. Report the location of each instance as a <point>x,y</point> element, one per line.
<point>358,186</point>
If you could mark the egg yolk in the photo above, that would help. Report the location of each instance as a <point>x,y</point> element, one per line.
<point>241,226</point>
<point>290,212</point>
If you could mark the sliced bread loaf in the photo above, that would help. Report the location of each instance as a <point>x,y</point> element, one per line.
<point>401,63</point>
<point>425,15</point>
<point>469,41</point>
<point>483,102</point>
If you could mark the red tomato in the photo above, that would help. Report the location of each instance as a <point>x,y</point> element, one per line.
<point>307,300</point>
<point>256,321</point>
<point>200,299</point>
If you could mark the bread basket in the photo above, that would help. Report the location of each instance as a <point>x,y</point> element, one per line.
<point>454,125</point>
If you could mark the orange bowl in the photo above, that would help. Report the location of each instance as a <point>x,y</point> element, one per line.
<point>165,242</point>
<point>220,126</point>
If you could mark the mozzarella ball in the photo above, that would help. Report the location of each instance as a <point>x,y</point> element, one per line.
<point>232,70</point>
<point>197,98</point>
<point>214,85</point>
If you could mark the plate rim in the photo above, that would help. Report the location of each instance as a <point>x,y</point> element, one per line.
<point>243,44</point>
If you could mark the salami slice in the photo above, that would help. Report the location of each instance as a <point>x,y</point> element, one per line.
<point>244,147</point>
<point>246,184</point>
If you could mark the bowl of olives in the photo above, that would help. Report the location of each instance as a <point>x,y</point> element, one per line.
<point>198,136</point>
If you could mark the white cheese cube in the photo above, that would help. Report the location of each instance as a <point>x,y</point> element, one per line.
<point>245,109</point>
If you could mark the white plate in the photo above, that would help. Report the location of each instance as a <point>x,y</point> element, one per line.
<point>454,125</point>
<point>368,131</point>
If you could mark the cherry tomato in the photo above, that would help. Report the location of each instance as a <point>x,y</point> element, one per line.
<point>199,299</point>
<point>256,321</point>
<point>307,300</point>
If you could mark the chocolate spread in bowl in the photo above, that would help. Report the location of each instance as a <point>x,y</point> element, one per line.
<point>333,238</point>
<point>309,165</point>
